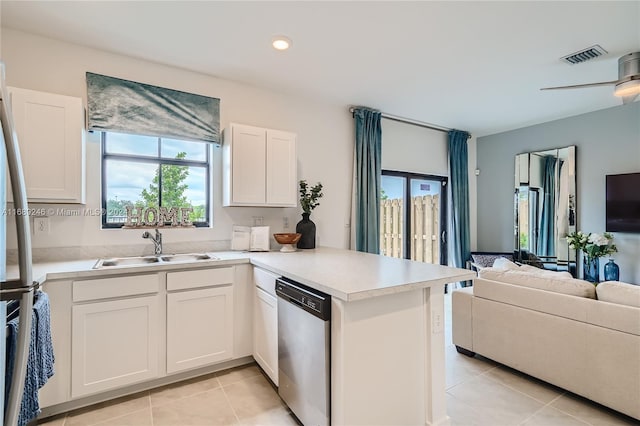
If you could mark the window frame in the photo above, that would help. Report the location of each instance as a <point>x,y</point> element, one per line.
<point>159,161</point>
<point>444,214</point>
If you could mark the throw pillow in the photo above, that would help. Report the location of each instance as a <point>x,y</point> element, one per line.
<point>619,292</point>
<point>504,263</point>
<point>531,259</point>
<point>486,260</point>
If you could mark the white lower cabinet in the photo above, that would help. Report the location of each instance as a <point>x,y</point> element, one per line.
<point>123,332</point>
<point>265,322</point>
<point>265,333</point>
<point>114,343</point>
<point>199,327</point>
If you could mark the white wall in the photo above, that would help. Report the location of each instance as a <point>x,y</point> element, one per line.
<point>325,137</point>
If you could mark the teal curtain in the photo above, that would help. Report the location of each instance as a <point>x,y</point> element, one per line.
<point>368,153</point>
<point>459,240</point>
<point>546,236</point>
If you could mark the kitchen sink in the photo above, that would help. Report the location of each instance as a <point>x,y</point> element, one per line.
<point>190,257</point>
<point>152,260</point>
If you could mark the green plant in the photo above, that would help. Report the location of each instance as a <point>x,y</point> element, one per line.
<point>309,196</point>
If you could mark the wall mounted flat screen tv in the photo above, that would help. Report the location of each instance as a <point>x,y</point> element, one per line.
<point>623,203</point>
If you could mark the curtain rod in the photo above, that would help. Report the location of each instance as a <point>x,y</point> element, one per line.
<point>412,122</point>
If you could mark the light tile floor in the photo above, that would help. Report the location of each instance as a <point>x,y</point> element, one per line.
<point>479,392</point>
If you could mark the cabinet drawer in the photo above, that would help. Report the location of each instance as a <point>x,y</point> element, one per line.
<point>105,288</point>
<point>265,280</point>
<point>199,278</point>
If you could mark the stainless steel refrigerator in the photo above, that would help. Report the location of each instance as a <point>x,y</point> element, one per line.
<point>20,287</point>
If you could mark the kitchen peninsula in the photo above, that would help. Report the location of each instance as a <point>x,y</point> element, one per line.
<point>387,326</point>
<point>387,332</point>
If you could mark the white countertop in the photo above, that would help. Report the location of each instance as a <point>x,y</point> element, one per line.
<point>72,269</point>
<point>344,274</point>
<point>352,275</point>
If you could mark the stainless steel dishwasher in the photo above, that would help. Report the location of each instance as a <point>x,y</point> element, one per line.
<point>304,339</point>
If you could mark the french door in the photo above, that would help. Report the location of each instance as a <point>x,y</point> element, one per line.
<point>413,216</point>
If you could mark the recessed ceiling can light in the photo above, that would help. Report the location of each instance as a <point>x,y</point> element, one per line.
<point>281,43</point>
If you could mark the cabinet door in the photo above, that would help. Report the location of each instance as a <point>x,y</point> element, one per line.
<point>282,187</point>
<point>50,131</point>
<point>199,328</point>
<point>248,165</point>
<point>114,343</point>
<point>265,333</point>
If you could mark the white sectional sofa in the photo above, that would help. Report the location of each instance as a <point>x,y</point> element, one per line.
<point>552,327</point>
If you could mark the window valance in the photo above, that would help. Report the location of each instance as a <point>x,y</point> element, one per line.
<point>117,105</point>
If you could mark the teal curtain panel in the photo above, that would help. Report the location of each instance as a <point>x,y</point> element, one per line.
<point>547,238</point>
<point>368,154</point>
<point>116,105</point>
<point>459,241</point>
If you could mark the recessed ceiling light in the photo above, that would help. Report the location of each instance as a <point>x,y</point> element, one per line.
<point>281,43</point>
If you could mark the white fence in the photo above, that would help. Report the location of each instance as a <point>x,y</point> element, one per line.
<point>424,228</point>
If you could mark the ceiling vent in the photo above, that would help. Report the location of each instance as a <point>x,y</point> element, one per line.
<point>584,55</point>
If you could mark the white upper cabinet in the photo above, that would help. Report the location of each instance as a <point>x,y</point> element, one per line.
<point>51,135</point>
<point>281,168</point>
<point>260,167</point>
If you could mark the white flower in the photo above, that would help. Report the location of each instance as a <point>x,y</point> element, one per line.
<point>598,239</point>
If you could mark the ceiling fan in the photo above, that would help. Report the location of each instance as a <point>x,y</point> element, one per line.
<point>627,86</point>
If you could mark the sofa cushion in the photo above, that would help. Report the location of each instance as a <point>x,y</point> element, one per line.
<point>549,302</point>
<point>545,272</point>
<point>619,292</point>
<point>542,280</point>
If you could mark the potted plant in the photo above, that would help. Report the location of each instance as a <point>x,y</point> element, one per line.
<point>594,246</point>
<point>309,197</point>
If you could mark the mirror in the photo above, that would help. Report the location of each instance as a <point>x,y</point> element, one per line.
<point>545,208</point>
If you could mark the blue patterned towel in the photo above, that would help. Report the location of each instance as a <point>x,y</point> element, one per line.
<point>40,361</point>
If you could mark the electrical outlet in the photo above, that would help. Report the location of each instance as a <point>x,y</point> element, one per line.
<point>258,220</point>
<point>41,225</point>
<point>437,316</point>
<point>285,223</point>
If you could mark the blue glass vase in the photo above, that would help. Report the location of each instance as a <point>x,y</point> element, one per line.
<point>591,269</point>
<point>611,271</point>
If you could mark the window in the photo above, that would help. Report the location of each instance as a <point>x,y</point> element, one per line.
<point>413,216</point>
<point>147,171</point>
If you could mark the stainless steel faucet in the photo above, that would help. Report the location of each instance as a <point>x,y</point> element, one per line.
<point>157,241</point>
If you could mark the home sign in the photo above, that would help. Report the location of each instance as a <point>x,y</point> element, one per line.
<point>158,216</point>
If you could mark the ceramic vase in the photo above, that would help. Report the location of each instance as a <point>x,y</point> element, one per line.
<point>611,271</point>
<point>308,230</point>
<point>591,269</point>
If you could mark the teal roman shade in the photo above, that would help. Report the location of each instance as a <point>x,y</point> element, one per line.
<point>116,105</point>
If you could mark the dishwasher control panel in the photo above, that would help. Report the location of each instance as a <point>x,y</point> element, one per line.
<point>312,301</point>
